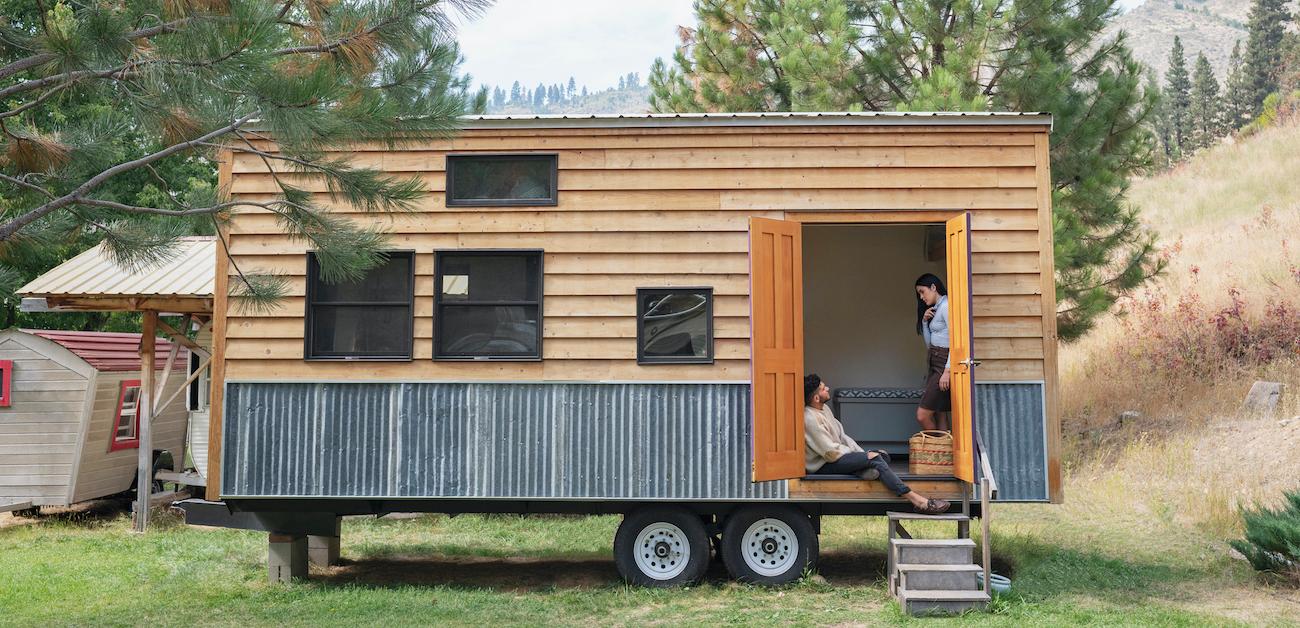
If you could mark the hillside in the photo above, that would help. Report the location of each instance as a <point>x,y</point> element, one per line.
<point>611,100</point>
<point>1209,26</point>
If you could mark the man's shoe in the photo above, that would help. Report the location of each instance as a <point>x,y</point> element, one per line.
<point>934,506</point>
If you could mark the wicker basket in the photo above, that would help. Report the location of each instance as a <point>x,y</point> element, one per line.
<point>930,453</point>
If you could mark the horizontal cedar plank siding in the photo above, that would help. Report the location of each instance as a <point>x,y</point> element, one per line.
<point>661,208</point>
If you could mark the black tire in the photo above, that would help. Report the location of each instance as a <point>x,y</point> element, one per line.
<point>661,546</point>
<point>769,545</point>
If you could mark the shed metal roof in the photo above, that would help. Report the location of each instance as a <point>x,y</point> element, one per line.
<point>110,351</point>
<point>93,277</point>
<point>788,118</point>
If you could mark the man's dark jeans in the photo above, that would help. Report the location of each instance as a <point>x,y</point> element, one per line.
<point>857,462</point>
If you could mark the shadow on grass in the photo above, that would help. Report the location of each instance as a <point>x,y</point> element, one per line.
<point>1040,571</point>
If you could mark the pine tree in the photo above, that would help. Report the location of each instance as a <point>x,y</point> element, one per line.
<point>1267,30</point>
<point>584,91</point>
<point>1178,95</point>
<point>573,88</point>
<point>883,55</point>
<point>1163,156</point>
<point>1206,110</point>
<point>498,97</point>
<point>539,97</point>
<point>1238,107</point>
<point>516,93</point>
<point>622,81</point>
<point>177,81</point>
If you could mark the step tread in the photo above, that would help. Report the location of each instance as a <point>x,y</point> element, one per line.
<point>938,567</point>
<point>913,516</point>
<point>934,542</point>
<point>943,596</point>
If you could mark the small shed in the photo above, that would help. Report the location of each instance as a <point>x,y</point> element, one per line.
<point>179,285</point>
<point>69,415</point>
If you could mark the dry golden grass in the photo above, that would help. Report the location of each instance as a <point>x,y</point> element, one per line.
<point>1230,222</point>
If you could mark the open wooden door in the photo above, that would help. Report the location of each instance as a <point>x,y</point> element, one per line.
<point>959,323</point>
<point>776,357</point>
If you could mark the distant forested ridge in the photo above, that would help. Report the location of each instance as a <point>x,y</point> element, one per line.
<point>630,95</point>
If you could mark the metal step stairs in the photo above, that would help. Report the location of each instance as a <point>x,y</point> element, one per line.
<point>934,576</point>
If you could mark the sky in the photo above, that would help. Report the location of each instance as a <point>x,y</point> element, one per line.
<point>594,41</point>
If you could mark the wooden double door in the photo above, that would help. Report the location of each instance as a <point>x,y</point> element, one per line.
<point>777,347</point>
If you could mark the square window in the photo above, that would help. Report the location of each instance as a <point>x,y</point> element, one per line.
<point>371,318</point>
<point>488,305</point>
<point>488,180</point>
<point>674,325</point>
<point>126,425</point>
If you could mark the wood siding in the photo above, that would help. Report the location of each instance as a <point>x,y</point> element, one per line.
<point>39,430</point>
<point>668,207</point>
<point>103,472</point>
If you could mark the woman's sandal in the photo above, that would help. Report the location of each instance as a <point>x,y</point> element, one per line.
<point>935,506</point>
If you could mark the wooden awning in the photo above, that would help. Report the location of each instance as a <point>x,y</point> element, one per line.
<point>93,282</point>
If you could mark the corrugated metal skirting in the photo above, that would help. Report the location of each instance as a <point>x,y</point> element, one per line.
<point>1011,422</point>
<point>603,441</point>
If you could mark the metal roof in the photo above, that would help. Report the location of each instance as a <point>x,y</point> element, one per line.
<point>791,118</point>
<point>93,277</point>
<point>110,351</point>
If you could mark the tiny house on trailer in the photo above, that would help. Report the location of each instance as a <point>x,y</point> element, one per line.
<point>69,421</point>
<point>614,314</point>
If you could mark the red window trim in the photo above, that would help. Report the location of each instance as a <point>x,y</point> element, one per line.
<point>134,443</point>
<point>6,378</point>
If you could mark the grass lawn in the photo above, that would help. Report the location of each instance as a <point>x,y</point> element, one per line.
<point>1070,566</point>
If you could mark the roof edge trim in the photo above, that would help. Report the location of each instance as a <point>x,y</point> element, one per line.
<point>667,120</point>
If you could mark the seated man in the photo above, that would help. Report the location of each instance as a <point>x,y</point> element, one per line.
<point>830,451</point>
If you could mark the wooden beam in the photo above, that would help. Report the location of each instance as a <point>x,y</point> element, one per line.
<point>144,418</point>
<point>1047,264</point>
<point>167,369</point>
<point>178,337</point>
<point>217,372</point>
<point>190,380</point>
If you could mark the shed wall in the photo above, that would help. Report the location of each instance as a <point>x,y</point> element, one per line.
<point>668,207</point>
<point>103,472</point>
<point>39,430</point>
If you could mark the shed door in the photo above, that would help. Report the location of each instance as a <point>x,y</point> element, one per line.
<point>959,319</point>
<point>776,337</point>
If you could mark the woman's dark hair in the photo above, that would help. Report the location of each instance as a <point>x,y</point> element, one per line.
<point>927,280</point>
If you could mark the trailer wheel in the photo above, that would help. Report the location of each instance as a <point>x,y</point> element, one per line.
<point>661,547</point>
<point>769,545</point>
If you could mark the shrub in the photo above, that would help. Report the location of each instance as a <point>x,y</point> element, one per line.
<point>1272,542</point>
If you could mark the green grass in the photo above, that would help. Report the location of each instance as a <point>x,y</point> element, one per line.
<point>510,570</point>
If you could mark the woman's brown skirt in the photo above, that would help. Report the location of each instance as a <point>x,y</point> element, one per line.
<point>933,398</point>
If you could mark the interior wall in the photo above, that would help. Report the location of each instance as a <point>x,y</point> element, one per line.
<point>860,306</point>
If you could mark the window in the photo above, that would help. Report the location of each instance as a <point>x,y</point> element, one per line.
<point>127,423</point>
<point>367,319</point>
<point>674,325</point>
<point>484,180</point>
<point>200,388</point>
<point>6,381</point>
<point>488,304</point>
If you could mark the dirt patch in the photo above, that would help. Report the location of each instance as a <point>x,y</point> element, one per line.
<point>93,511</point>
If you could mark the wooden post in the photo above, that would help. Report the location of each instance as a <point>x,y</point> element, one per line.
<point>986,541</point>
<point>144,416</point>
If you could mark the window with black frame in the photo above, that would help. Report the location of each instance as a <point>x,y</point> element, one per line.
<point>488,305</point>
<point>370,318</point>
<point>674,325</point>
<point>494,180</point>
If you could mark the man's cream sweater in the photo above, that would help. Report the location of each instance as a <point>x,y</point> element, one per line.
<point>824,438</point>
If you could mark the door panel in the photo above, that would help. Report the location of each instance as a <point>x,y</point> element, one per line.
<point>962,377</point>
<point>776,313</point>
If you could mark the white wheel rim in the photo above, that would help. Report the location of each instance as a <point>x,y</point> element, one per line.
<point>662,551</point>
<point>770,547</point>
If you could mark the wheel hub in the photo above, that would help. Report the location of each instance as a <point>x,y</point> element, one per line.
<point>770,547</point>
<point>662,551</point>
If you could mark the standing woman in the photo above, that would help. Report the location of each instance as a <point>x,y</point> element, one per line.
<point>932,324</point>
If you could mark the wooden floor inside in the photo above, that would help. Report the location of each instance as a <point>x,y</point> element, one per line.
<point>837,488</point>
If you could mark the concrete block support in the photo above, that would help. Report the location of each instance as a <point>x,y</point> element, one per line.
<point>323,551</point>
<point>286,557</point>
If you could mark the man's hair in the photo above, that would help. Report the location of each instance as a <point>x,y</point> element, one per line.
<point>810,385</point>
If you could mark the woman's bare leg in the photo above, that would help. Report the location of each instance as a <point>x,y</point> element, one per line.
<point>943,421</point>
<point>926,418</point>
